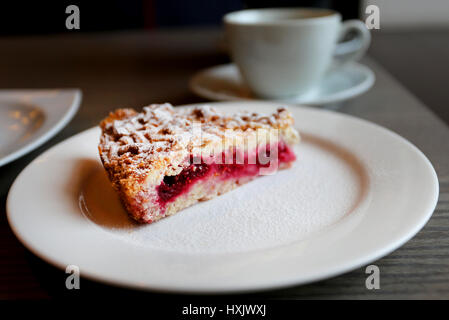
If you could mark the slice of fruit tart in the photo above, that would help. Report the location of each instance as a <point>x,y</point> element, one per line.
<point>165,159</point>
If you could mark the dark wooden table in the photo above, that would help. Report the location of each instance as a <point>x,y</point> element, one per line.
<point>137,68</point>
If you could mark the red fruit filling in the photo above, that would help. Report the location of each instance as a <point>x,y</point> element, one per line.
<point>174,186</point>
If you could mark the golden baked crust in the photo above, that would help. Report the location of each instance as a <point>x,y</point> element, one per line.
<point>139,149</point>
<point>134,144</point>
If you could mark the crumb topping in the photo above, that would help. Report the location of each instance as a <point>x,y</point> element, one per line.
<point>134,143</point>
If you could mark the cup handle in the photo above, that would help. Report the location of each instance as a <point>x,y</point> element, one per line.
<point>355,48</point>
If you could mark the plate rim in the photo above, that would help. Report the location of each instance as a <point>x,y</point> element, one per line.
<point>347,267</point>
<point>52,131</point>
<point>343,95</point>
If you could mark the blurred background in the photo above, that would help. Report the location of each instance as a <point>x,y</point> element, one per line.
<point>412,42</point>
<point>100,15</point>
<point>37,17</point>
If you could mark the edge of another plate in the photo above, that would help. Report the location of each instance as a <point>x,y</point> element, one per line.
<point>54,128</point>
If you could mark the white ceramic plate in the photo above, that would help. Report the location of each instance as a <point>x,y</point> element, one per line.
<point>357,192</point>
<point>224,83</point>
<point>28,118</point>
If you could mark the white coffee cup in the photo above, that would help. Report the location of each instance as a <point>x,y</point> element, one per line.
<point>285,52</point>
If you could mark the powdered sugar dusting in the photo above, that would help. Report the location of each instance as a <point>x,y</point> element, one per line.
<point>139,149</point>
<point>160,128</point>
<point>320,189</point>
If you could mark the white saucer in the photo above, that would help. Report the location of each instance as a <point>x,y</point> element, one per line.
<point>356,192</point>
<point>28,118</point>
<point>224,83</point>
